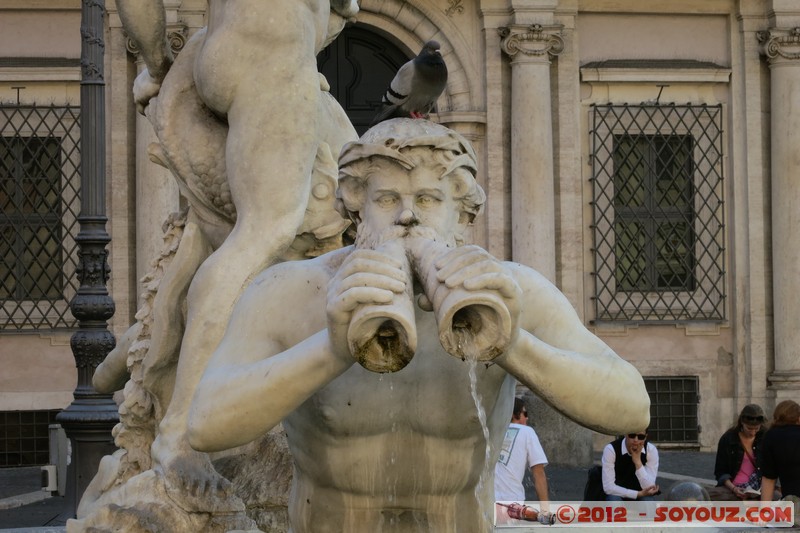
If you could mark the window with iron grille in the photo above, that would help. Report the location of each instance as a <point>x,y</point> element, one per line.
<point>39,204</point>
<point>25,437</point>
<point>673,409</point>
<point>658,219</point>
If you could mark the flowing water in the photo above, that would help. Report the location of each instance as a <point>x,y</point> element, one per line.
<point>470,352</point>
<point>470,356</point>
<point>393,518</point>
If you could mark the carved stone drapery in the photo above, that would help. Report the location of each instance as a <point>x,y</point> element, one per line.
<point>780,43</point>
<point>533,40</point>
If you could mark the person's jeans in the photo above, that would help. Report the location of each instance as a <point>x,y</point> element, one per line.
<point>649,508</point>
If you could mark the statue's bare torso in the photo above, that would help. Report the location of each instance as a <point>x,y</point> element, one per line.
<point>405,451</point>
<point>387,451</point>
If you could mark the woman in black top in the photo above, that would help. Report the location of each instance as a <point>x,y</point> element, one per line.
<point>738,465</point>
<point>782,451</point>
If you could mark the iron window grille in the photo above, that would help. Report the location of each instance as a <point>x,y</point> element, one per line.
<point>673,409</point>
<point>658,217</point>
<point>25,437</point>
<point>39,207</point>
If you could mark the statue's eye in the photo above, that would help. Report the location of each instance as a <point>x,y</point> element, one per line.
<point>427,200</point>
<point>386,200</point>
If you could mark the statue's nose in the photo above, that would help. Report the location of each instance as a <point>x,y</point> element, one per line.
<point>406,218</point>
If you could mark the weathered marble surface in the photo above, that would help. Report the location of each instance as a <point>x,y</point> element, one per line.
<point>414,448</point>
<point>254,153</point>
<point>411,449</point>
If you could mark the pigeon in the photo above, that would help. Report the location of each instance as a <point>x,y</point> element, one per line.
<point>416,86</point>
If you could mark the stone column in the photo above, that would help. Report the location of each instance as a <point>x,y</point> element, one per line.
<point>157,193</point>
<point>533,239</point>
<point>782,49</point>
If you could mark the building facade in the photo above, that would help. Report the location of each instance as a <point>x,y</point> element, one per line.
<point>641,155</point>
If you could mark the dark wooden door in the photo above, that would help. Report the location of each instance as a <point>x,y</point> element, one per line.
<point>359,65</point>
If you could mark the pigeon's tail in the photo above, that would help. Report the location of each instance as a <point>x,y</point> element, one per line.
<point>391,106</point>
<point>387,112</point>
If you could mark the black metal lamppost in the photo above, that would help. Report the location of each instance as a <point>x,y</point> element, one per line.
<point>89,419</point>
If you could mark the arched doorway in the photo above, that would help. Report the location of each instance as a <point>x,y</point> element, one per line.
<point>359,65</point>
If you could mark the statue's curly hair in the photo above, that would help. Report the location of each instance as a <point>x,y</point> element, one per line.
<point>399,140</point>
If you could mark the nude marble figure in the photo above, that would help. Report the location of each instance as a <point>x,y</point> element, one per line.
<point>253,70</point>
<point>404,450</point>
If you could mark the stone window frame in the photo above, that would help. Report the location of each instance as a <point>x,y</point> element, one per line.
<point>707,302</point>
<point>60,122</point>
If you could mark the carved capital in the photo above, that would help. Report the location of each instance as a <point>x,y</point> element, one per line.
<point>780,43</point>
<point>176,39</point>
<point>533,40</point>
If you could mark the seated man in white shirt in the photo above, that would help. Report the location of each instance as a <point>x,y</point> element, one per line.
<point>630,467</point>
<point>521,450</point>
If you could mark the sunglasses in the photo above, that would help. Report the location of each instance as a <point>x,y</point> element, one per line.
<point>524,413</point>
<point>637,436</point>
<point>753,419</point>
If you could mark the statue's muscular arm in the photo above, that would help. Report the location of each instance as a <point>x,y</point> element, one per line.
<point>252,374</point>
<point>275,355</point>
<point>145,22</point>
<point>569,367</point>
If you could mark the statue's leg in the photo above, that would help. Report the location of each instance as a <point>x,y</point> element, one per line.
<point>272,142</point>
<point>167,321</point>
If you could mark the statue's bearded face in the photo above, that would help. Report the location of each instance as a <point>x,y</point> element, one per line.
<point>407,203</point>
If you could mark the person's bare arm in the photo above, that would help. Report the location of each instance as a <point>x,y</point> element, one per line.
<point>569,367</point>
<point>767,489</point>
<point>540,483</point>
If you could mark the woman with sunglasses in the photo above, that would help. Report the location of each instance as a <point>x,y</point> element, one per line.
<point>630,467</point>
<point>782,452</point>
<point>738,465</point>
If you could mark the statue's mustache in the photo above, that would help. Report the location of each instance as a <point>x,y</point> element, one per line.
<point>369,239</point>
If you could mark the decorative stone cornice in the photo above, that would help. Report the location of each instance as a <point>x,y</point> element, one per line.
<point>780,43</point>
<point>176,37</point>
<point>533,40</point>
